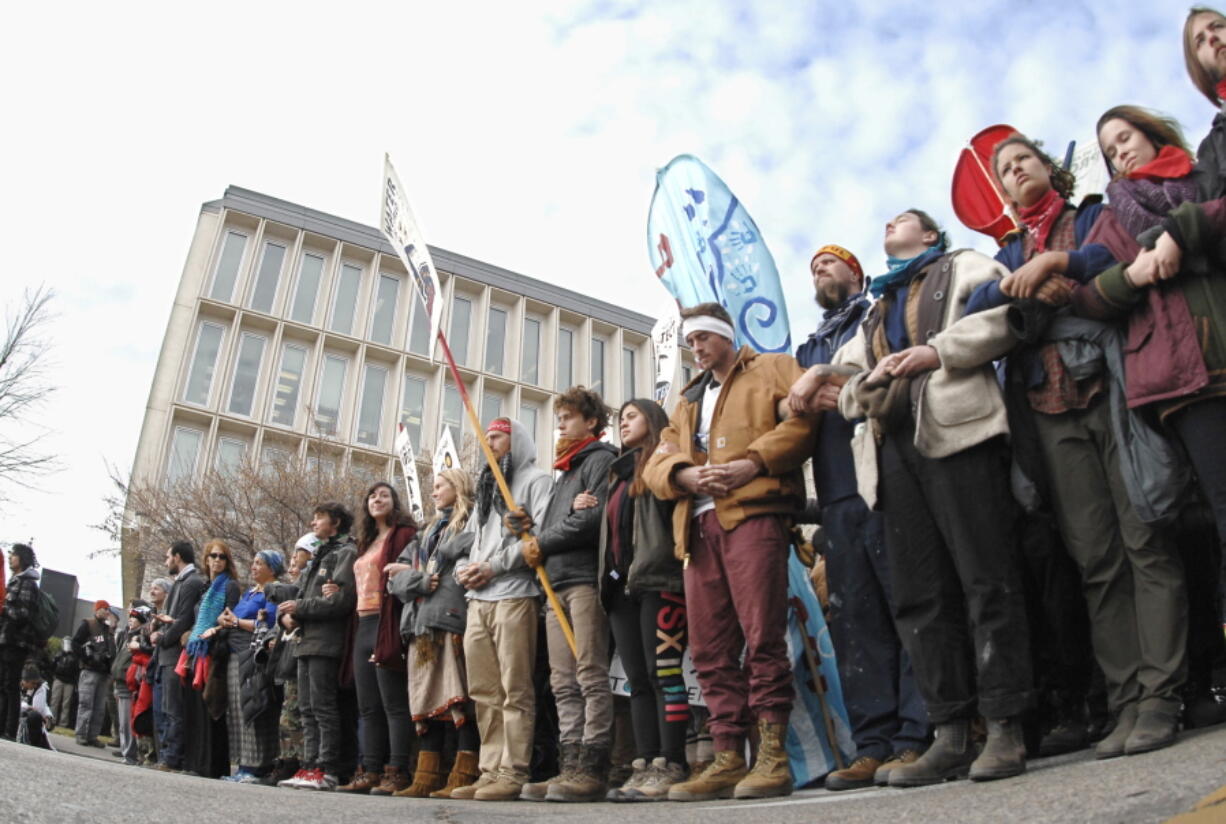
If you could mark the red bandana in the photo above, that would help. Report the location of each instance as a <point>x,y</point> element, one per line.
<point>1220,88</point>
<point>1041,217</point>
<point>567,449</point>
<point>1170,164</point>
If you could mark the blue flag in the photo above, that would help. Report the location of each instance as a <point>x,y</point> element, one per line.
<point>705,247</point>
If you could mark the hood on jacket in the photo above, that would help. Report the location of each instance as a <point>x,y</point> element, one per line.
<point>523,447</point>
<point>33,573</point>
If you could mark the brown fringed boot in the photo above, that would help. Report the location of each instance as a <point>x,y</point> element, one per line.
<point>426,779</point>
<point>463,773</point>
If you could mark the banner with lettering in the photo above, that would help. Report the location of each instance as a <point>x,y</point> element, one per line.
<point>704,246</point>
<point>401,230</point>
<point>408,465</point>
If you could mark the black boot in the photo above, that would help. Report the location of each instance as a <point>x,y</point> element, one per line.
<point>950,756</point>
<point>1070,733</point>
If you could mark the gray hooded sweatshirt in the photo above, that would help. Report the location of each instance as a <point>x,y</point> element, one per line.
<point>531,487</point>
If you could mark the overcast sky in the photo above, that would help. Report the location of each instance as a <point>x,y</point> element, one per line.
<point>527,134</point>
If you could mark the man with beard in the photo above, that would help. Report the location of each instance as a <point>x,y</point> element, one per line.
<point>500,637</point>
<point>185,593</point>
<point>889,724</point>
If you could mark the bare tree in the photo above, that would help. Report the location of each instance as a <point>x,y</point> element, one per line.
<point>23,389</point>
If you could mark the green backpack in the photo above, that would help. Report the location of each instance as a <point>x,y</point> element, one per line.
<point>46,617</point>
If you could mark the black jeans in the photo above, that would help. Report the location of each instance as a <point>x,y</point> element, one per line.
<point>383,700</point>
<point>959,605</point>
<point>321,719</point>
<point>36,730</point>
<point>650,635</point>
<point>437,729</point>
<point>883,700</point>
<point>172,717</point>
<point>1202,429</point>
<point>11,660</point>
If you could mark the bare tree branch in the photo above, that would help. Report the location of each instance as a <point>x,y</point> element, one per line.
<point>23,389</point>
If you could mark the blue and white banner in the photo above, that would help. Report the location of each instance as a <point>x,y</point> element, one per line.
<point>704,246</point>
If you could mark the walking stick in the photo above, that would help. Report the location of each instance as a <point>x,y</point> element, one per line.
<point>541,574</point>
<point>811,657</point>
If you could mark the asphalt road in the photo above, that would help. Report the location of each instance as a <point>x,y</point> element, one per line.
<point>66,788</point>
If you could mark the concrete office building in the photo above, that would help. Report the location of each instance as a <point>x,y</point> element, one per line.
<point>290,324</point>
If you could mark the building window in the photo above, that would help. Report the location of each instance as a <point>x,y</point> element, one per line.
<point>370,411</point>
<point>529,365</point>
<point>528,415</point>
<point>413,408</point>
<point>265,291</point>
<point>184,450</point>
<point>687,374</point>
<point>275,457</point>
<point>204,363</point>
<point>385,309</point>
<point>289,384</point>
<point>345,301</point>
<point>461,320</point>
<point>228,264</point>
<point>597,378</point>
<point>419,332</point>
<point>309,275</point>
<point>453,412</point>
<point>495,340</point>
<point>246,373</point>
<point>491,407</point>
<point>629,373</point>
<point>331,390</point>
<point>566,356</point>
<point>230,454</point>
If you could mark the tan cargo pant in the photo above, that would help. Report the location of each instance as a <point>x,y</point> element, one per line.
<point>581,687</point>
<point>500,649</point>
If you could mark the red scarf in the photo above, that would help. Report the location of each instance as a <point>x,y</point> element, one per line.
<point>567,449</point>
<point>1220,89</point>
<point>1041,217</point>
<point>1170,164</point>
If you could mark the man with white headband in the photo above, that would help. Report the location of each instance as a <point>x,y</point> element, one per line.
<point>734,470</point>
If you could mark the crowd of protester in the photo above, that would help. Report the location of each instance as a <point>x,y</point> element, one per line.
<point>1020,475</point>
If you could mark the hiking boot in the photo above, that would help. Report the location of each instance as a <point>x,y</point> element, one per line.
<point>661,776</point>
<point>469,791</point>
<point>1070,734</point>
<point>505,787</point>
<point>1113,745</point>
<point>463,773</point>
<point>882,777</point>
<point>396,779</point>
<point>363,782</point>
<point>1154,730</point>
<point>718,780</point>
<point>426,779</point>
<point>639,770</point>
<point>1004,754</point>
<point>856,776</point>
<point>950,756</point>
<point>589,781</point>
<point>568,761</point>
<point>770,776</point>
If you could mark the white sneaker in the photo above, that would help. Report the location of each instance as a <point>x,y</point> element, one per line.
<point>320,780</point>
<point>294,782</point>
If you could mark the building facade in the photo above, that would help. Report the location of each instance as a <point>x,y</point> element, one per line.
<point>292,326</point>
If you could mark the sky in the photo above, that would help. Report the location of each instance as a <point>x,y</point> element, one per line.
<point>528,135</point>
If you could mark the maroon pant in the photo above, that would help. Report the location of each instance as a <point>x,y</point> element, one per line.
<point>736,593</point>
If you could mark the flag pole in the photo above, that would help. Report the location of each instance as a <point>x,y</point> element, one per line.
<point>492,462</point>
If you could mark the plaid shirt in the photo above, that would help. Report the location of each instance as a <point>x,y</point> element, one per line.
<point>17,614</point>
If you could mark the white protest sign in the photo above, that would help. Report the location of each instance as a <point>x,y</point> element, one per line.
<point>445,454</point>
<point>401,230</point>
<point>408,464</point>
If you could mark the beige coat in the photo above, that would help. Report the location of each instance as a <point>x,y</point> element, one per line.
<point>961,404</point>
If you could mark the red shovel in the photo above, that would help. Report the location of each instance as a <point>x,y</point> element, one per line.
<point>977,199</point>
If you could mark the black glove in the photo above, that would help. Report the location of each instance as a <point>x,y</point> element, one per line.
<point>518,521</point>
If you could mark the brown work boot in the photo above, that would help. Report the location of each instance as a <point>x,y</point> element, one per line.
<point>856,776</point>
<point>717,781</point>
<point>463,773</point>
<point>469,791</point>
<point>1004,753</point>
<point>568,761</point>
<point>394,780</point>
<point>663,776</point>
<point>950,756</point>
<point>505,788</point>
<point>770,776</point>
<point>426,779</point>
<point>363,782</point>
<point>882,777</point>
<point>588,782</point>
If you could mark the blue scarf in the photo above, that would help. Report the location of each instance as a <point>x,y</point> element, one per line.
<point>211,605</point>
<point>903,269</point>
<point>425,548</point>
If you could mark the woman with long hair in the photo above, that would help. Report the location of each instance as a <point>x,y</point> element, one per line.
<point>384,530</point>
<point>1131,574</point>
<point>255,744</point>
<point>17,633</point>
<point>641,590</point>
<point>207,657</point>
<point>435,614</point>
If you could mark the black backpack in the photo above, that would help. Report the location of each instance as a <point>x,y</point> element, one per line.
<point>46,617</point>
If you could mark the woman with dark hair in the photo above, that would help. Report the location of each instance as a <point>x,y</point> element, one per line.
<point>432,625</point>
<point>641,590</point>
<point>378,655</point>
<point>1131,574</point>
<point>16,633</point>
<point>206,658</point>
<point>254,744</point>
